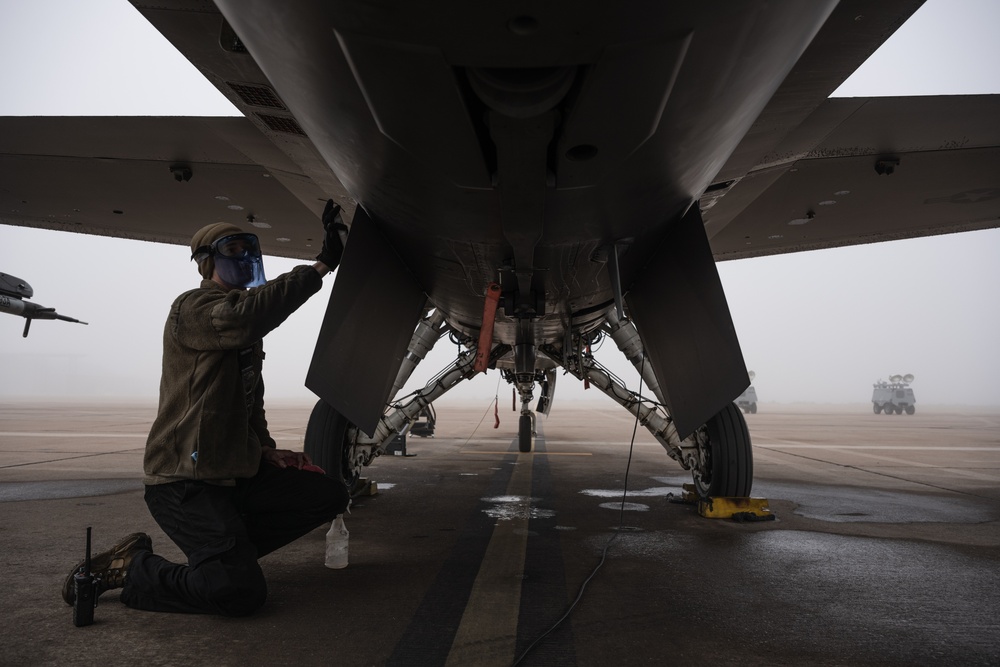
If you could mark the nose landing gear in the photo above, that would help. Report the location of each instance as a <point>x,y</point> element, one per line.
<point>524,385</point>
<point>526,423</point>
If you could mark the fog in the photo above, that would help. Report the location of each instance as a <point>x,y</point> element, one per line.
<point>818,326</point>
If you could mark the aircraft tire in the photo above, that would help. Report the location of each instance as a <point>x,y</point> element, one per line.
<point>524,434</point>
<point>324,443</point>
<point>730,456</point>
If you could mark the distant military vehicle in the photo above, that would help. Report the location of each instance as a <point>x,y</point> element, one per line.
<point>747,401</point>
<point>894,396</point>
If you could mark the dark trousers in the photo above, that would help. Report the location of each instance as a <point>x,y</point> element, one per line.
<point>223,530</point>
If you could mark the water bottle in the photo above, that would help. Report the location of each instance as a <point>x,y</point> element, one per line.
<point>336,544</point>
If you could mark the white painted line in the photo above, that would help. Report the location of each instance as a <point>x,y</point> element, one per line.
<point>67,434</point>
<point>933,448</point>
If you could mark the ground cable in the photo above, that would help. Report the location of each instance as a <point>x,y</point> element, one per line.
<point>604,552</point>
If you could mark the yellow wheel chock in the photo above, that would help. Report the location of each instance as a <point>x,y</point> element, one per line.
<point>364,487</point>
<point>720,507</point>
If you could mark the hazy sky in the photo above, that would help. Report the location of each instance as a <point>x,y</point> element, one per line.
<point>818,326</point>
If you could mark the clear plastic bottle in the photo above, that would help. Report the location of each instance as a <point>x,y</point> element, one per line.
<point>336,544</point>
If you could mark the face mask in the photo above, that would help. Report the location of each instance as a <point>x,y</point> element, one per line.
<point>237,259</point>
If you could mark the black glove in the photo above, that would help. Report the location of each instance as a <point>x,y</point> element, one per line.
<point>333,226</point>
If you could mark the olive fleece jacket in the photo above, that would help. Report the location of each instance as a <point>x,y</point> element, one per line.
<point>210,423</point>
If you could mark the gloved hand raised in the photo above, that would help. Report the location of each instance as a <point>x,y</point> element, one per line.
<point>333,227</point>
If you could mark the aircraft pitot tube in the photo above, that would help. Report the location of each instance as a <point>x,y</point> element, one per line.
<point>14,291</point>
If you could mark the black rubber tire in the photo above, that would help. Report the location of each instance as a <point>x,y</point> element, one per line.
<point>887,408</point>
<point>524,434</point>
<point>753,408</point>
<point>324,443</point>
<point>910,409</point>
<point>730,457</point>
<point>876,408</point>
<point>899,409</point>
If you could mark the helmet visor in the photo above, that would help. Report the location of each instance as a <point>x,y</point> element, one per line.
<point>237,246</point>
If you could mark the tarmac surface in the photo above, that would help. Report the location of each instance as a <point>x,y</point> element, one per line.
<point>885,549</point>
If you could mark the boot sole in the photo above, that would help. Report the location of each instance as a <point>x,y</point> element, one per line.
<point>102,561</point>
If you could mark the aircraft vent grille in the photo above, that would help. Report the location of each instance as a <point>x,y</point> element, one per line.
<point>281,124</point>
<point>257,96</point>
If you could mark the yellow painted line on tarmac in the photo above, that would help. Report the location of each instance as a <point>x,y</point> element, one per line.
<point>487,634</point>
<point>550,443</point>
<point>484,451</point>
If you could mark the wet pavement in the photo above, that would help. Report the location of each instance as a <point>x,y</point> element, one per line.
<point>885,550</point>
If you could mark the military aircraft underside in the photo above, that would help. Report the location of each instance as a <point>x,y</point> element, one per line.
<point>525,182</point>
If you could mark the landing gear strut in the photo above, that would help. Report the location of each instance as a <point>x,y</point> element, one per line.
<point>719,454</point>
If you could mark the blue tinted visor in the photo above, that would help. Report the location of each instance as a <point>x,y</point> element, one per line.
<point>238,260</point>
<point>237,246</point>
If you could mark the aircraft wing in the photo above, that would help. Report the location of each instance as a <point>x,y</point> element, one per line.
<point>161,179</point>
<point>858,170</point>
<point>862,170</point>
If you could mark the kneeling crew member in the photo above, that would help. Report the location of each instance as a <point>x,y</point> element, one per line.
<point>216,482</point>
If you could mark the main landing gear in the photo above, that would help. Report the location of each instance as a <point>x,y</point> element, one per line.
<point>727,457</point>
<point>718,454</point>
<point>342,449</point>
<point>327,443</point>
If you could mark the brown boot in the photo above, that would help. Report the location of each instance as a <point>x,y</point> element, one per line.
<point>109,567</point>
